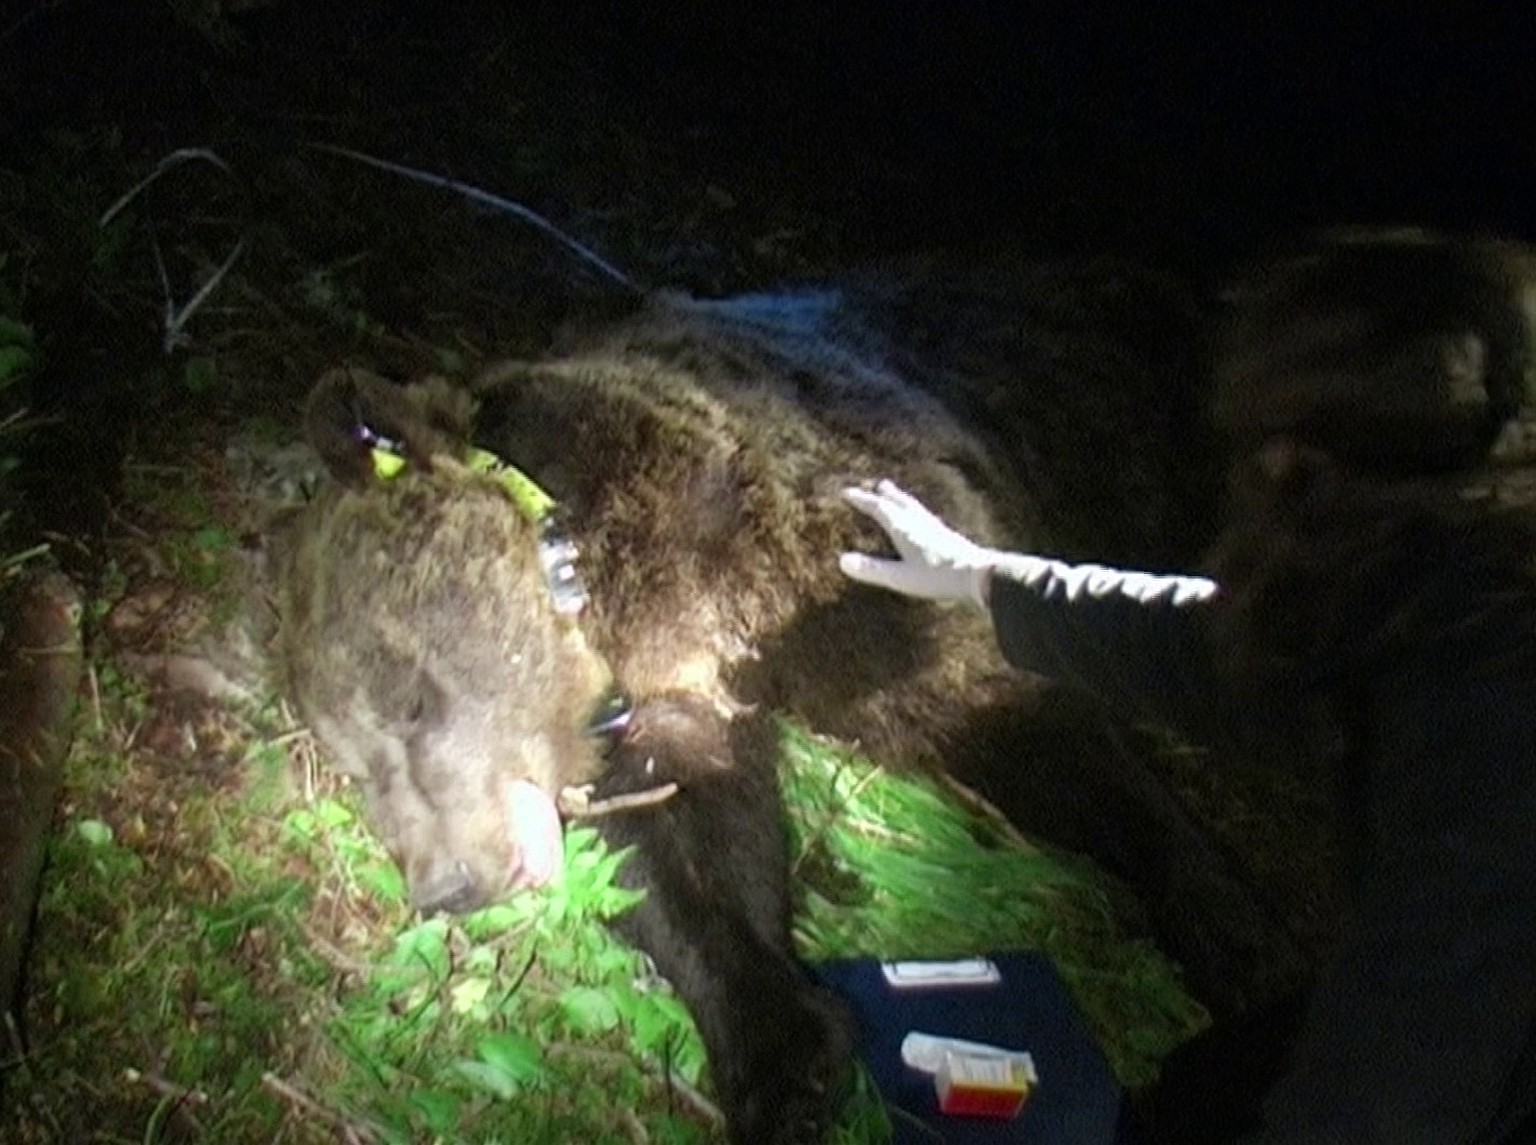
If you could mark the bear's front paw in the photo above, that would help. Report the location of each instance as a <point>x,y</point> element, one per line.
<point>805,1065</point>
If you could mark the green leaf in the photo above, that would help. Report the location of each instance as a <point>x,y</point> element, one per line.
<point>614,961</point>
<point>300,822</point>
<point>508,1063</point>
<point>481,959</point>
<point>94,832</point>
<point>384,881</point>
<point>439,1111</point>
<point>659,1020</point>
<point>558,908</point>
<point>589,1010</point>
<point>671,1129</point>
<point>557,958</point>
<point>14,360</point>
<point>607,867</point>
<point>468,993</point>
<point>213,539</point>
<point>200,375</point>
<point>613,901</point>
<point>516,1055</point>
<point>425,944</point>
<point>12,332</point>
<point>501,918</point>
<point>332,813</point>
<point>487,1078</point>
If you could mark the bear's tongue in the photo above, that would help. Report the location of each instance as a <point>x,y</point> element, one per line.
<point>534,825</point>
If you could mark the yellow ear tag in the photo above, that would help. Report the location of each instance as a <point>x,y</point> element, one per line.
<point>532,500</point>
<point>557,555</point>
<point>386,464</point>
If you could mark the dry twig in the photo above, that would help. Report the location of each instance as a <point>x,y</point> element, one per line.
<point>577,802</point>
<point>183,1098</point>
<point>978,803</point>
<point>301,1103</point>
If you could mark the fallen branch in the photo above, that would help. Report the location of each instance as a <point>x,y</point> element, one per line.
<point>674,1082</point>
<point>40,669</point>
<point>301,1103</point>
<point>632,1127</point>
<point>577,802</point>
<point>695,1100</point>
<point>176,318</point>
<point>183,1098</point>
<point>165,1087</point>
<point>978,803</point>
<point>335,957</point>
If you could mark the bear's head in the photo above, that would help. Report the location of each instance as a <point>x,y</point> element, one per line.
<point>422,643</point>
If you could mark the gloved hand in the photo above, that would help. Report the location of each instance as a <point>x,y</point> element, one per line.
<point>936,563</point>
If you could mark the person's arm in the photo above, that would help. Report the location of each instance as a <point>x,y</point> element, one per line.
<point>1132,639</point>
<point>1135,640</point>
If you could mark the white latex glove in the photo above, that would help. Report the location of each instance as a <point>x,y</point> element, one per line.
<point>936,563</point>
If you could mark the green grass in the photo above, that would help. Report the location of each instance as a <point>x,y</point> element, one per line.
<point>897,868</point>
<point>235,962</point>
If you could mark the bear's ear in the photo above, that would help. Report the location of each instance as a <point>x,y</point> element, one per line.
<point>447,411</point>
<point>352,411</point>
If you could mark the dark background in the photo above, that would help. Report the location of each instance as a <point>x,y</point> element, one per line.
<point>704,146</point>
<point>1221,121</point>
<point>1203,125</point>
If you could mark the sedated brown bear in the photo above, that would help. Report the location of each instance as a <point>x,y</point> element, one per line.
<point>451,655</point>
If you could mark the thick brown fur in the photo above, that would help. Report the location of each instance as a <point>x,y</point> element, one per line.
<point>696,451</point>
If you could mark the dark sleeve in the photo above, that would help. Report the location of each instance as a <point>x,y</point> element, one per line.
<point>1134,640</point>
<point>1422,1029</point>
